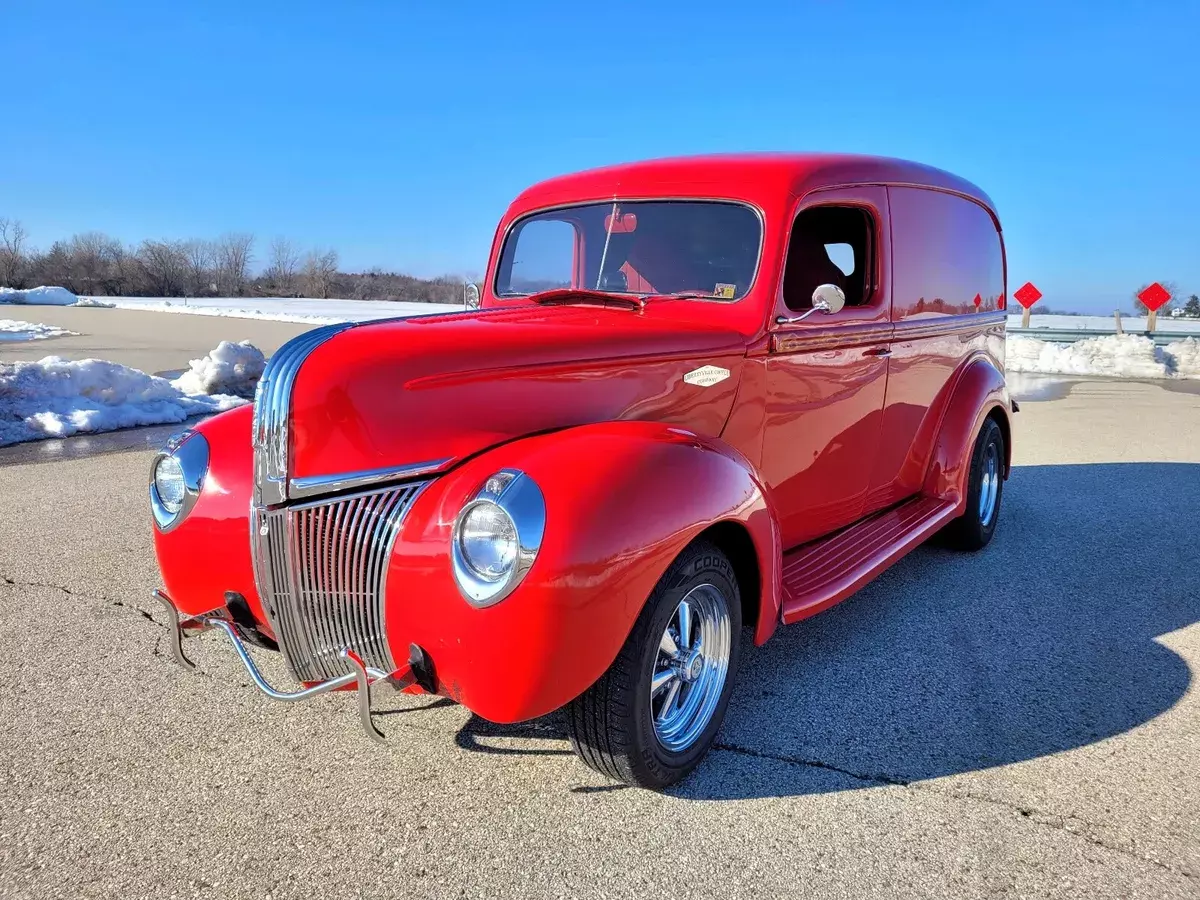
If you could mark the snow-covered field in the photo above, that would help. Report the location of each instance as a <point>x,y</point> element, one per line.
<point>280,309</point>
<point>56,397</point>
<point>1105,324</point>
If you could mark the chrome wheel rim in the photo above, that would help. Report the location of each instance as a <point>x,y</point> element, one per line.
<point>690,668</point>
<point>989,484</point>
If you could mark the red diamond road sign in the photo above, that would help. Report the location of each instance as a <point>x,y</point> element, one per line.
<point>1027,294</point>
<point>1154,297</point>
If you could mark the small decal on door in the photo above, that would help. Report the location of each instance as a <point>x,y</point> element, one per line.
<point>706,376</point>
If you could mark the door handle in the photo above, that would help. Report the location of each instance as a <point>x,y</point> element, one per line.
<point>878,351</point>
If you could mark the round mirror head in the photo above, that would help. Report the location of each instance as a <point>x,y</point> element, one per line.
<point>829,298</point>
<point>471,295</point>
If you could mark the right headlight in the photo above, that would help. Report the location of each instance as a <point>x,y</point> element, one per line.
<point>176,476</point>
<point>497,536</point>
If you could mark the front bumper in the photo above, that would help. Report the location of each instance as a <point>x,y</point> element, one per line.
<point>363,677</point>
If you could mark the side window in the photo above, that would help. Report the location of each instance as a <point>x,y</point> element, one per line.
<point>543,256</point>
<point>829,245</point>
<point>947,250</point>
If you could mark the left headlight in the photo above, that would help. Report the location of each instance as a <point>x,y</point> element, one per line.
<point>497,536</point>
<point>176,476</point>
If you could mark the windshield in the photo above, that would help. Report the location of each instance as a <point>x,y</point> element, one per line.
<point>700,248</point>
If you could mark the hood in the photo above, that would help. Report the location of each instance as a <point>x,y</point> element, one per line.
<point>439,388</point>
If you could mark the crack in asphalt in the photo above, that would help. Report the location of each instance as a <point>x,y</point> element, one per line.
<point>1037,816</point>
<point>70,593</point>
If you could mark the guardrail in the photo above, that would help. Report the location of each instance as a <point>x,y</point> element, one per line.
<point>1071,335</point>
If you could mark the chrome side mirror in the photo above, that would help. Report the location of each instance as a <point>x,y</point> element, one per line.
<point>471,295</point>
<point>827,298</point>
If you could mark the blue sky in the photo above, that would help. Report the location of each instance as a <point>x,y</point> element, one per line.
<point>397,132</point>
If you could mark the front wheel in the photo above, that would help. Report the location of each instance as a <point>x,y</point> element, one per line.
<point>649,720</point>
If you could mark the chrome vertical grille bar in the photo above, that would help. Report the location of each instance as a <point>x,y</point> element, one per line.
<point>321,568</point>
<point>272,402</point>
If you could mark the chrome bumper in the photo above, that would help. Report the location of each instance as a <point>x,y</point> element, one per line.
<point>363,675</point>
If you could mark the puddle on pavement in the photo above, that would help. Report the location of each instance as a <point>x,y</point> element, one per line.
<point>1033,388</point>
<point>19,337</point>
<point>84,445</point>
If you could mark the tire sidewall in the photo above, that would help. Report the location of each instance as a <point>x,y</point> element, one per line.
<point>989,434</point>
<point>706,566</point>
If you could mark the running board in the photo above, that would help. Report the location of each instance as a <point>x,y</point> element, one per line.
<point>820,574</point>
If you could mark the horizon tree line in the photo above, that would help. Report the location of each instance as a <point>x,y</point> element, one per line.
<point>95,264</point>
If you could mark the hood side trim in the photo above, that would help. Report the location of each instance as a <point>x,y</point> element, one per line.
<point>317,485</point>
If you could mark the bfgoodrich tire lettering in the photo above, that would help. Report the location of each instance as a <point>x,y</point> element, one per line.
<point>612,724</point>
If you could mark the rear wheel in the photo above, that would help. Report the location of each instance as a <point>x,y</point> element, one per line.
<point>649,719</point>
<point>975,527</point>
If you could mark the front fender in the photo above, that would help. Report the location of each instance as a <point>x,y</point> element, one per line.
<point>209,552</point>
<point>979,391</point>
<point>622,500</point>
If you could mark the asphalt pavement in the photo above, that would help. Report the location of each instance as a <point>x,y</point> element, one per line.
<point>1022,722</point>
<point>154,342</point>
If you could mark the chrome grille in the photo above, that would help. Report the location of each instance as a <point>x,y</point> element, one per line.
<point>321,569</point>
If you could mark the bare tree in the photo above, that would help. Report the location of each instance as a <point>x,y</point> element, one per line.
<point>234,253</point>
<point>12,251</point>
<point>284,262</point>
<point>201,259</point>
<point>93,259</point>
<point>319,271</point>
<point>166,264</point>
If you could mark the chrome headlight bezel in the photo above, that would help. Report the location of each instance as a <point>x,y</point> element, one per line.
<point>189,449</point>
<point>519,498</point>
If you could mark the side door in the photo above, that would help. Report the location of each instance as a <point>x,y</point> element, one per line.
<point>827,375</point>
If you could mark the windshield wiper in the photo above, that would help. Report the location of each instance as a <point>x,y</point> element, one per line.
<point>586,295</point>
<point>686,295</point>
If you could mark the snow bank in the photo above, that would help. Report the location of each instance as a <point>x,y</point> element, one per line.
<point>49,296</point>
<point>39,296</point>
<point>229,369</point>
<point>1114,356</point>
<point>56,397</point>
<point>1185,357</point>
<point>31,331</point>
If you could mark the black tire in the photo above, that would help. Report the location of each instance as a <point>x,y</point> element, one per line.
<point>610,725</point>
<point>972,530</point>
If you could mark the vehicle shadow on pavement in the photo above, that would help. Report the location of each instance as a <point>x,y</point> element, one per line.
<point>949,663</point>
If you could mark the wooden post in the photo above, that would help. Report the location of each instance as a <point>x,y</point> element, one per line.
<point>1025,317</point>
<point>1151,321</point>
<point>1117,316</point>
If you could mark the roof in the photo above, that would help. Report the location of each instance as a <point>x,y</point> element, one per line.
<point>745,176</point>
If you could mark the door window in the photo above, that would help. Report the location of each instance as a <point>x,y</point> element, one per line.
<point>829,245</point>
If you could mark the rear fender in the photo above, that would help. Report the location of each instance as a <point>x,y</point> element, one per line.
<point>979,392</point>
<point>622,500</point>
